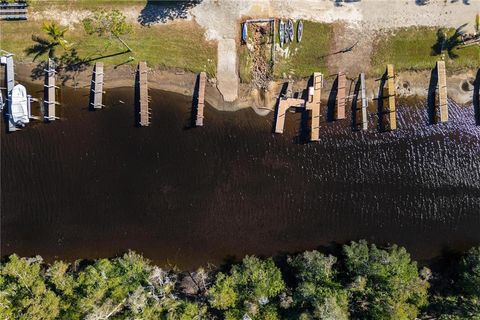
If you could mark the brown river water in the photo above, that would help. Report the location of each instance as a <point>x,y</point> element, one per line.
<point>94,185</point>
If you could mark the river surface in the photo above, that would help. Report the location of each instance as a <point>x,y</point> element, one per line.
<point>94,185</point>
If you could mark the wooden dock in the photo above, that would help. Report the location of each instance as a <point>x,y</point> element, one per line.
<point>49,100</point>
<point>341,100</point>
<point>363,95</point>
<point>389,110</point>
<point>313,105</point>
<point>97,86</point>
<point>442,91</point>
<point>282,108</point>
<point>201,99</point>
<point>143,98</point>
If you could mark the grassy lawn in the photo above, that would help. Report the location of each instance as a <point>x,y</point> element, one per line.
<point>308,56</point>
<point>176,45</point>
<point>411,49</point>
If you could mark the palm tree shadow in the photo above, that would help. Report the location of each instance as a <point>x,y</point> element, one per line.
<point>448,44</point>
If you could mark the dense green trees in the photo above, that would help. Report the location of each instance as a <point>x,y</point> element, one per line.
<point>365,282</point>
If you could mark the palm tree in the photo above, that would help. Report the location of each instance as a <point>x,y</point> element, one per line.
<point>55,38</point>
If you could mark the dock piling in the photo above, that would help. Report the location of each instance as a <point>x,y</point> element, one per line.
<point>340,103</point>
<point>97,87</point>
<point>142,94</point>
<point>363,92</point>
<point>442,91</point>
<point>201,99</point>
<point>49,101</point>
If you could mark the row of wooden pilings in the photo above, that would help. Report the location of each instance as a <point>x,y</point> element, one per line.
<point>142,99</point>
<point>386,101</point>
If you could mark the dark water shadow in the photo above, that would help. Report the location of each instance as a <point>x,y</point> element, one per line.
<point>381,112</point>
<point>165,10</point>
<point>432,89</point>
<point>355,108</point>
<point>192,121</point>
<point>332,98</point>
<point>476,98</point>
<point>136,99</point>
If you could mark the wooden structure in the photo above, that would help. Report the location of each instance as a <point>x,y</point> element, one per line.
<point>201,99</point>
<point>313,104</point>
<point>13,11</point>
<point>363,95</point>
<point>387,105</point>
<point>97,87</point>
<point>7,60</point>
<point>143,98</point>
<point>442,91</point>
<point>341,99</point>
<point>49,101</point>
<point>282,108</point>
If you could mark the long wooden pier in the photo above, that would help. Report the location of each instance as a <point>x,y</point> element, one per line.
<point>442,91</point>
<point>363,95</point>
<point>201,99</point>
<point>97,86</point>
<point>313,104</point>
<point>143,98</point>
<point>390,99</point>
<point>49,101</point>
<point>341,101</point>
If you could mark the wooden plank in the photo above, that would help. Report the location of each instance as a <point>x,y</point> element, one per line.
<point>49,92</point>
<point>97,85</point>
<point>363,94</point>
<point>282,108</point>
<point>201,99</point>
<point>143,93</point>
<point>341,87</point>
<point>392,109</point>
<point>442,91</point>
<point>315,106</point>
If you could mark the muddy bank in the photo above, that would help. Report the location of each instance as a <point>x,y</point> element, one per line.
<point>409,84</point>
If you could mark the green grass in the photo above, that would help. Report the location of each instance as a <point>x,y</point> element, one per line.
<point>411,49</point>
<point>307,56</point>
<point>245,64</point>
<point>176,45</point>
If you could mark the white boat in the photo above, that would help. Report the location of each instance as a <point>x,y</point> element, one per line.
<point>19,107</point>
<point>281,32</point>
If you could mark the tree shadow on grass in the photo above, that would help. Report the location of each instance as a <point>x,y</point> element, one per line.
<point>447,44</point>
<point>164,10</point>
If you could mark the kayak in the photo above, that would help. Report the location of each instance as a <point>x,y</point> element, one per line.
<point>281,32</point>
<point>290,30</point>
<point>19,106</point>
<point>244,32</point>
<point>299,31</point>
<point>285,34</point>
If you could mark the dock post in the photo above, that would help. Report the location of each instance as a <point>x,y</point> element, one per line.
<point>364,101</point>
<point>442,91</point>
<point>96,87</point>
<point>142,97</point>
<point>49,101</point>
<point>201,99</point>
<point>340,104</point>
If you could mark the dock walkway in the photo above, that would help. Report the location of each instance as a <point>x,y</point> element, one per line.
<point>143,99</point>
<point>442,91</point>
<point>341,88</point>
<point>201,99</point>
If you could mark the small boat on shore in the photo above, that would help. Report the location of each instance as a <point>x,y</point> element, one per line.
<point>19,107</point>
<point>290,30</point>
<point>245,32</point>
<point>299,31</point>
<point>281,32</point>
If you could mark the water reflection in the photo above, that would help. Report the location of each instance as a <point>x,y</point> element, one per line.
<point>94,185</point>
